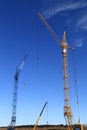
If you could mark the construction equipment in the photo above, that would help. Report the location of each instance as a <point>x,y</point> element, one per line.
<point>64,46</point>
<point>35,126</point>
<point>16,78</point>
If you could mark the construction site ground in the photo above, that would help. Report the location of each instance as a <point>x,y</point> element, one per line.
<point>40,127</point>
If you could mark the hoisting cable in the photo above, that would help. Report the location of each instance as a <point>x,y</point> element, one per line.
<point>76,86</point>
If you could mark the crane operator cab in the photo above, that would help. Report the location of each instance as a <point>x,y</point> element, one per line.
<point>78,127</point>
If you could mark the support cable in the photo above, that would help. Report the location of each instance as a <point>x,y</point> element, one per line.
<point>76,86</point>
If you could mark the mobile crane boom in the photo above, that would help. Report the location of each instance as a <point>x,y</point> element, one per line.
<point>16,77</point>
<point>39,116</point>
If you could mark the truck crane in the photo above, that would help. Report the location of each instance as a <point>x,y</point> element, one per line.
<point>35,126</point>
<point>64,46</point>
<point>16,78</point>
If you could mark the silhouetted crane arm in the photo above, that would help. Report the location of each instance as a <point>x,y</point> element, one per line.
<point>19,68</point>
<point>39,116</point>
<point>49,29</point>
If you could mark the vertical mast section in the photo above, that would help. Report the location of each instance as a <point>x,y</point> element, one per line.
<point>67,107</point>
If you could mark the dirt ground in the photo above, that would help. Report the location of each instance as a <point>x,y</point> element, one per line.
<point>41,127</point>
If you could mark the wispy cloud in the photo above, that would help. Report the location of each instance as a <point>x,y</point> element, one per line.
<point>64,7</point>
<point>79,42</point>
<point>82,22</point>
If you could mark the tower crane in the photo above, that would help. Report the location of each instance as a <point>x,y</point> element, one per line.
<point>35,126</point>
<point>64,46</point>
<point>16,78</point>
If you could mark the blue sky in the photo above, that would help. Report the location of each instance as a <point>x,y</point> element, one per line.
<point>22,32</point>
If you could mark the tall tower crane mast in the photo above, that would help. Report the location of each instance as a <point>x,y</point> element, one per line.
<point>67,107</point>
<point>64,46</point>
<point>16,78</point>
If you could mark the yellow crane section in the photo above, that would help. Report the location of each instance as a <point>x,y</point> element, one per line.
<point>64,47</point>
<point>35,126</point>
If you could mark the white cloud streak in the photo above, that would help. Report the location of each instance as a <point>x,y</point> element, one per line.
<point>79,42</point>
<point>64,7</point>
<point>82,22</point>
<point>69,6</point>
